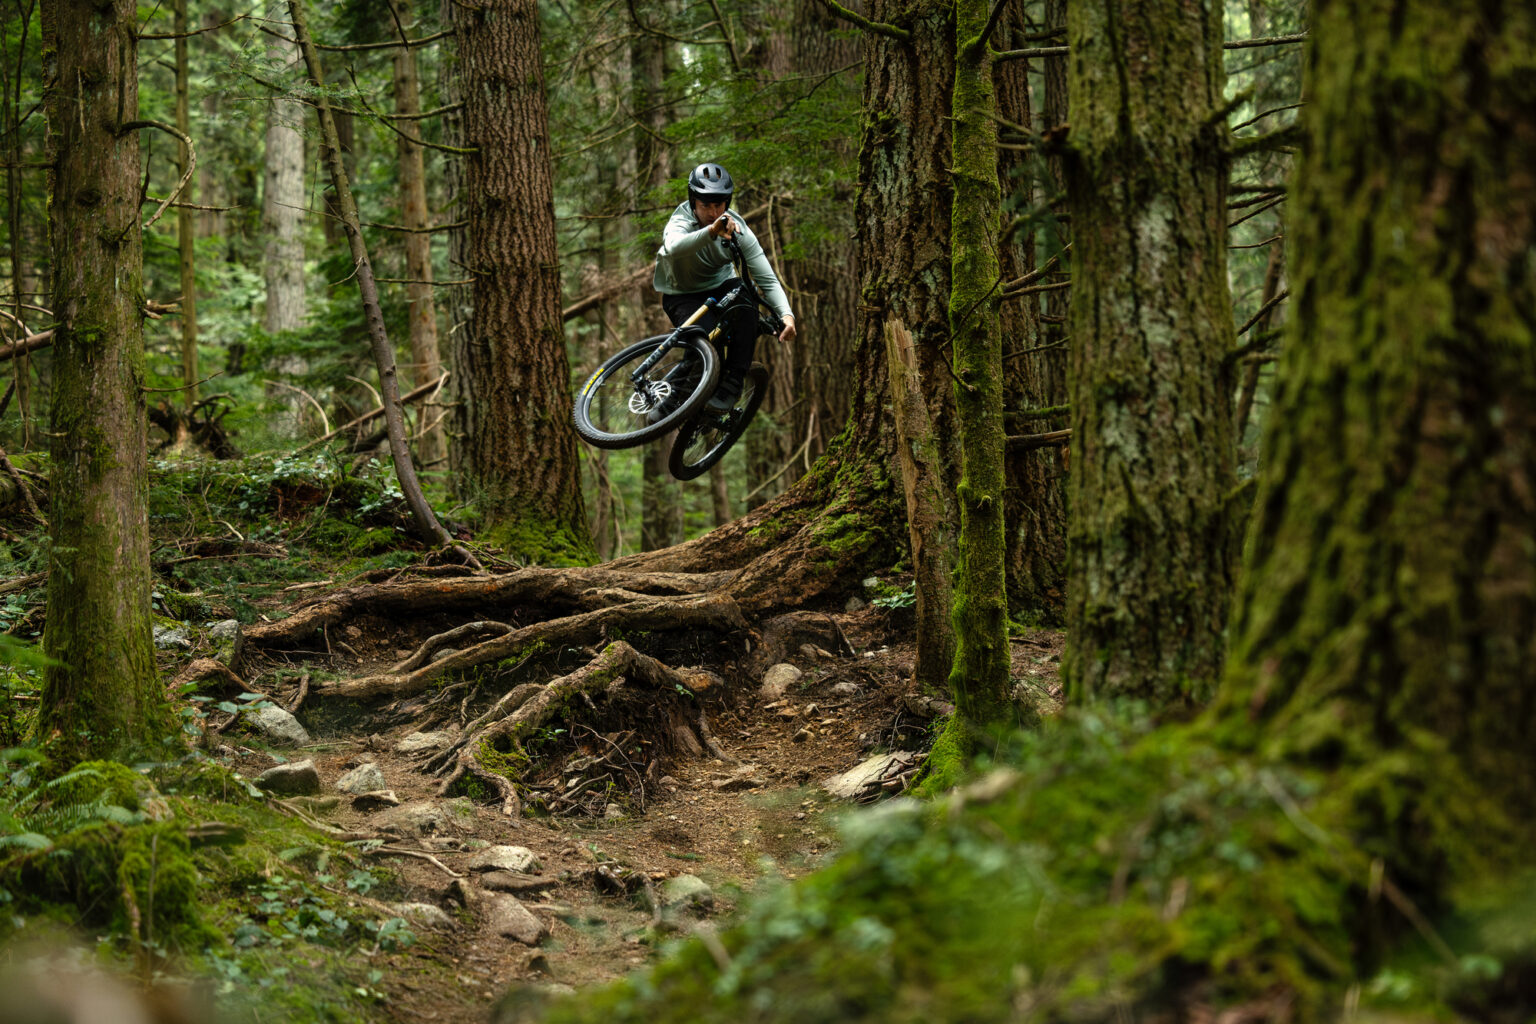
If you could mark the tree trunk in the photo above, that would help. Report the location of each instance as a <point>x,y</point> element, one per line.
<point>979,680</point>
<point>282,205</point>
<point>186,219</point>
<point>517,457</point>
<point>904,218</point>
<point>431,447</point>
<point>1151,327</point>
<point>100,695</point>
<point>1390,594</point>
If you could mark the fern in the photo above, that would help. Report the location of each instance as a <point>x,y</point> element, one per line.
<point>29,823</point>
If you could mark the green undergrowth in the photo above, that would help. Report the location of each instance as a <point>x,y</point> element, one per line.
<point>183,870</point>
<point>1109,872</point>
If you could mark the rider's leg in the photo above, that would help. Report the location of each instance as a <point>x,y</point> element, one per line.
<point>741,321</point>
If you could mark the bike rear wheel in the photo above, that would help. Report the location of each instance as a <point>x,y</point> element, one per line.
<point>704,440</point>
<point>613,410</point>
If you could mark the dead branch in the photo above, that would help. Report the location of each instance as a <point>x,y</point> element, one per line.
<point>428,388</point>
<point>710,611</point>
<point>618,661</point>
<point>210,668</point>
<point>559,590</point>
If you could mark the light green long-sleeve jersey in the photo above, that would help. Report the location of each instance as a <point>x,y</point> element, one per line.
<point>689,260</point>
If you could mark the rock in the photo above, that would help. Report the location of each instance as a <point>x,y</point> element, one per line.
<point>855,604</point>
<point>442,652</point>
<point>687,892</point>
<point>846,688</point>
<point>871,773</point>
<point>516,882</point>
<point>744,777</point>
<point>277,724</point>
<point>172,638</point>
<point>225,632</point>
<point>422,818</point>
<point>504,858</point>
<point>667,780</point>
<point>376,800</point>
<point>802,736</point>
<point>778,679</point>
<point>297,779</point>
<point>365,778</point>
<point>421,742</point>
<point>423,914</point>
<point>613,812</point>
<point>510,919</point>
<point>871,583</point>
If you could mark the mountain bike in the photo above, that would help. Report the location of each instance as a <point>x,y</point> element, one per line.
<point>664,383</point>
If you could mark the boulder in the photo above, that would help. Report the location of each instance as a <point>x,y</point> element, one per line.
<point>423,742</point>
<point>172,638</point>
<point>687,892</point>
<point>278,725</point>
<point>504,858</point>
<point>423,914</point>
<point>778,679</point>
<point>421,818</point>
<point>300,778</point>
<point>365,778</point>
<point>510,919</point>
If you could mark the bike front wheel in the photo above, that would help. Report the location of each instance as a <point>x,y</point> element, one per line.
<point>704,440</point>
<point>615,409</point>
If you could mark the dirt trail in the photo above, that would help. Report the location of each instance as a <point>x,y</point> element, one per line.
<point>600,879</point>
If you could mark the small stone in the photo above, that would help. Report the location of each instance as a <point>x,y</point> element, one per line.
<point>778,679</point>
<point>278,725</point>
<point>871,583</point>
<point>802,736</point>
<point>443,652</point>
<point>172,638</point>
<point>504,858</point>
<point>855,604</point>
<point>510,919</point>
<point>667,780</point>
<point>687,892</point>
<point>845,688</point>
<point>297,779</point>
<point>424,914</point>
<point>365,778</point>
<point>376,800</point>
<point>516,882</point>
<point>420,742</point>
<point>809,651</point>
<point>613,812</point>
<point>225,632</point>
<point>422,818</point>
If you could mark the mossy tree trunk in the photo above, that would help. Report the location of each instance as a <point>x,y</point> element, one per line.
<point>1151,325</point>
<point>100,695</point>
<point>1389,598</point>
<point>979,679</point>
<point>515,452</point>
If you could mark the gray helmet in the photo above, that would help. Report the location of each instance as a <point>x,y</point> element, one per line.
<point>710,181</point>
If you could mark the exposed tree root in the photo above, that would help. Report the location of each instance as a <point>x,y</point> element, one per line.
<point>711,611</point>
<point>453,636</point>
<point>619,664</point>
<point>558,590</point>
<point>210,668</point>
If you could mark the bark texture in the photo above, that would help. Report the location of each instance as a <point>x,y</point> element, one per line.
<point>516,452</point>
<point>282,204</point>
<point>421,310</point>
<point>100,694</point>
<point>1151,325</point>
<point>1390,595</point>
<point>979,680</point>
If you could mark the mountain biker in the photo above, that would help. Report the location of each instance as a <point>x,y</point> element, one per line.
<point>693,265</point>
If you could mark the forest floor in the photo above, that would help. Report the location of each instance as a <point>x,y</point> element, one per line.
<point>612,876</point>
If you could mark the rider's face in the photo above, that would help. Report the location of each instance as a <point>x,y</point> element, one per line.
<point>709,210</point>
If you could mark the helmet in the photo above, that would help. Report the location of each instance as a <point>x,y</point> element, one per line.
<point>710,181</point>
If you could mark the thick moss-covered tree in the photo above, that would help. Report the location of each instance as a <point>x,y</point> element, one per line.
<point>1151,327</point>
<point>100,695</point>
<point>514,450</point>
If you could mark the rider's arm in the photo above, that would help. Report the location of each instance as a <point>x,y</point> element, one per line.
<point>682,236</point>
<point>762,272</point>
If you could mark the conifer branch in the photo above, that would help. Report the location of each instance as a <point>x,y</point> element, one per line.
<point>879,28</point>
